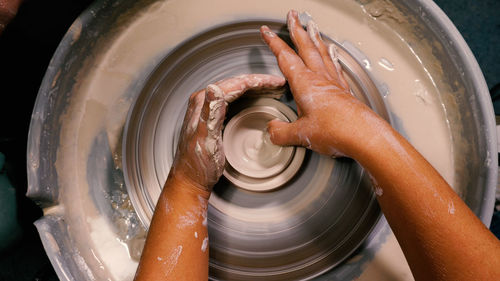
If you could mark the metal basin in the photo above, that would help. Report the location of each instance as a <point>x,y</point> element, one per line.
<point>332,216</point>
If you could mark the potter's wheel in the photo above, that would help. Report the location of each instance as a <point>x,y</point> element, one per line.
<point>127,62</point>
<point>299,227</point>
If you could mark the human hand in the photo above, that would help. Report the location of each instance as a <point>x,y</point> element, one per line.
<point>331,121</point>
<point>200,157</point>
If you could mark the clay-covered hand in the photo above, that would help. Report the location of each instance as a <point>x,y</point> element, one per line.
<point>331,121</point>
<point>200,157</point>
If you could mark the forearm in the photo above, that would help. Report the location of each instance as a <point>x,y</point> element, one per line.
<point>441,238</point>
<point>177,243</point>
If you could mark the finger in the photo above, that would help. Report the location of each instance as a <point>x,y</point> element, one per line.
<point>305,46</point>
<point>334,56</point>
<point>214,109</point>
<point>234,87</point>
<point>315,35</point>
<point>284,133</point>
<point>193,112</point>
<point>289,62</point>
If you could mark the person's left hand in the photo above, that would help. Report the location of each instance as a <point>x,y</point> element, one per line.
<point>200,157</point>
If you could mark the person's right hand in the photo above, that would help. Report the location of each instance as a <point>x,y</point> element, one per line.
<point>331,121</point>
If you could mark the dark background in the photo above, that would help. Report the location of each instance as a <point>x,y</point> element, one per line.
<point>26,48</point>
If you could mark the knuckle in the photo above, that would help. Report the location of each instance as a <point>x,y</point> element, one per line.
<point>194,96</point>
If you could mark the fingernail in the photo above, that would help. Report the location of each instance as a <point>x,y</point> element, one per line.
<point>289,17</point>
<point>332,51</point>
<point>313,31</point>
<point>267,31</point>
<point>216,91</point>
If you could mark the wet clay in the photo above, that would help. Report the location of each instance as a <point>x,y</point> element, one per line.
<point>254,162</point>
<point>248,147</point>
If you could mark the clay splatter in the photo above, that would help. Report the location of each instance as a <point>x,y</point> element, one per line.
<point>451,208</point>
<point>204,244</point>
<point>171,261</point>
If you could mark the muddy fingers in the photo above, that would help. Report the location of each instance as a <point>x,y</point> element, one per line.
<point>305,46</point>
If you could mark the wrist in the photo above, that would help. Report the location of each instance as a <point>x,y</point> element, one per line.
<point>370,136</point>
<point>377,145</point>
<point>178,181</point>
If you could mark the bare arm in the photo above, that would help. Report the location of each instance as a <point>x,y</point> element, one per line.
<point>440,237</point>
<point>177,243</point>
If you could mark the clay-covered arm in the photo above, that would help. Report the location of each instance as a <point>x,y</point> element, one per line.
<point>440,237</point>
<point>177,243</point>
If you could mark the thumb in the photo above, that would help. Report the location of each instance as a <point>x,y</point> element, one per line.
<point>284,133</point>
<point>214,109</point>
<point>217,111</point>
